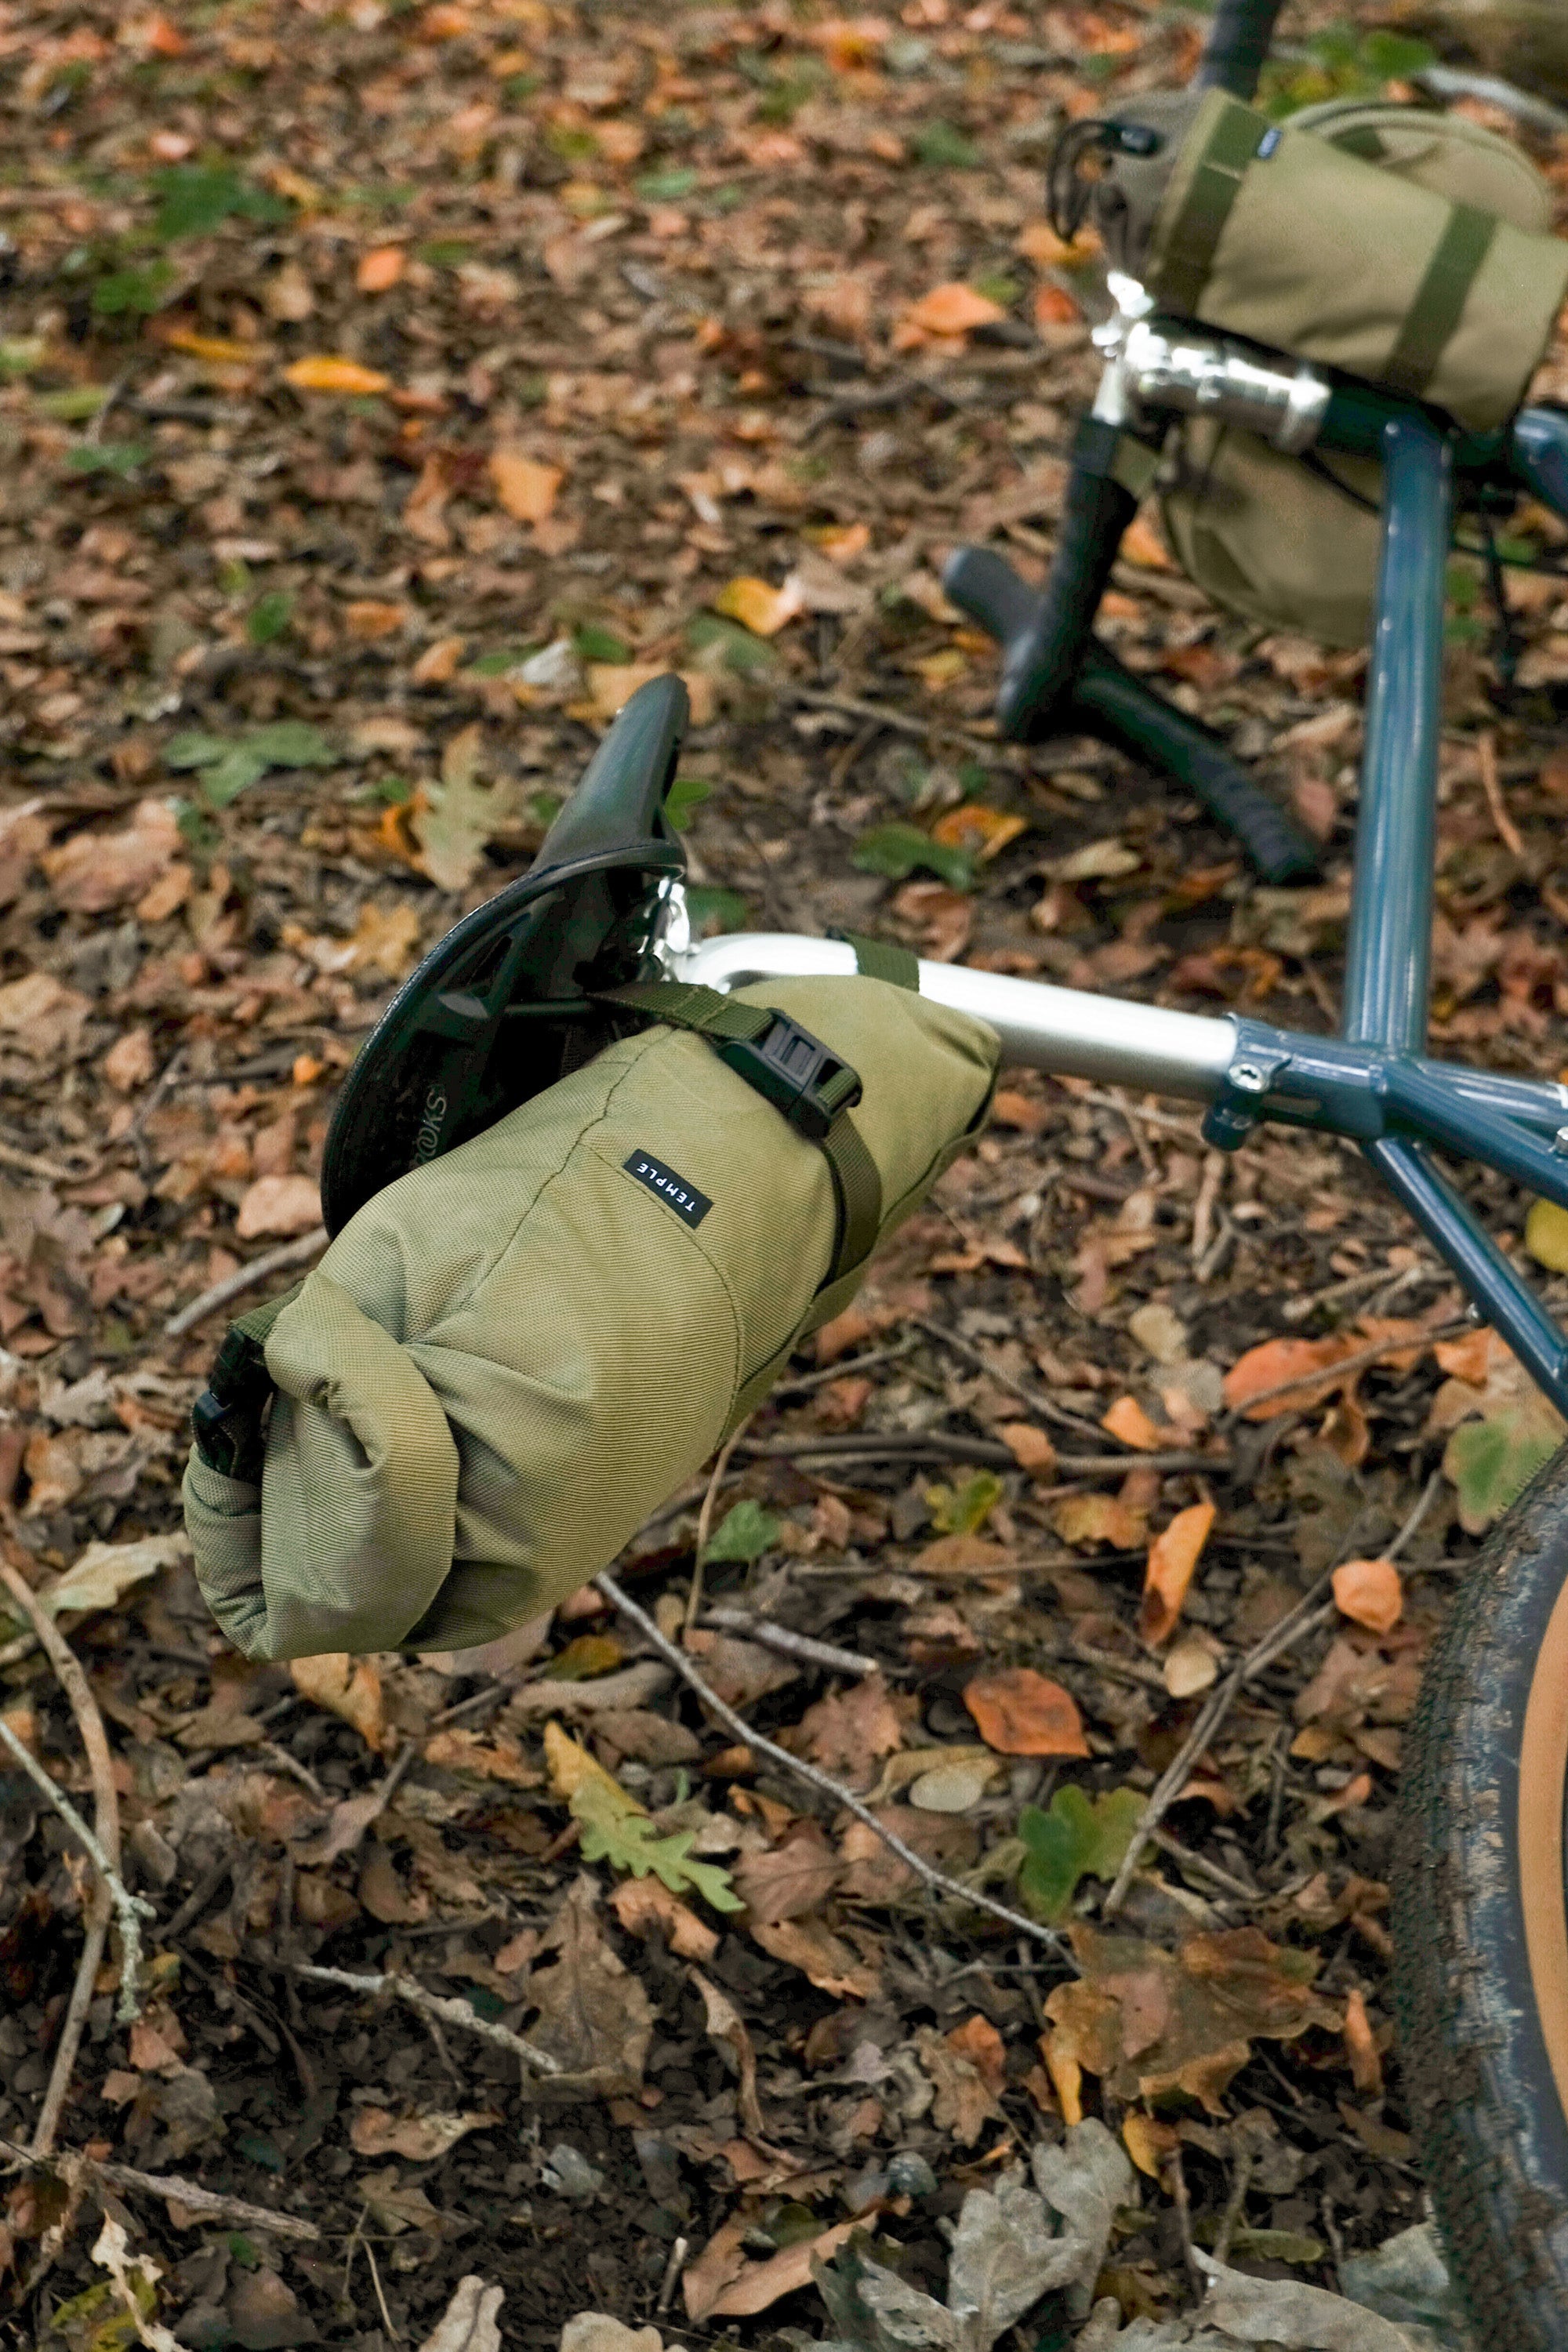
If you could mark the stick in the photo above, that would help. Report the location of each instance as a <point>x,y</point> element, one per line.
<point>246,1277</point>
<point>1029,1396</point>
<point>434,2004</point>
<point>103,1850</point>
<point>823,1782</point>
<point>705,1522</point>
<point>131,1909</point>
<point>208,2202</point>
<point>1303,1619</point>
<point>1491,784</point>
<point>28,1163</point>
<point>791,1644</point>
<point>935,1445</point>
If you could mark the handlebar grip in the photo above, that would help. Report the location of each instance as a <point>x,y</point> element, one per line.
<point>1236,45</point>
<point>1110,702</point>
<point>1044,638</point>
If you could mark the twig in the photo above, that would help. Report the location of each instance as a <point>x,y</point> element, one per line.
<point>208,2202</point>
<point>28,1163</point>
<point>1183,1856</point>
<point>131,1909</point>
<point>843,1370</point>
<point>1240,2181</point>
<point>396,2333</point>
<point>1508,833</point>
<point>434,2004</point>
<point>246,1277</point>
<point>791,1644</point>
<point>878,714</point>
<point>103,1849</point>
<point>1215,1164</point>
<point>1355,1363</point>
<point>1301,1620</point>
<point>1297,1310</point>
<point>823,1782</point>
<point>1032,1397</point>
<point>705,1522</point>
<point>936,1445</point>
<point>672,2271</point>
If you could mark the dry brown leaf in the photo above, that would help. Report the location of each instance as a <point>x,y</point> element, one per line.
<point>964,2097</point>
<point>1128,1420</point>
<point>91,872</point>
<point>1082,1519</point>
<point>526,489</point>
<point>726,2028</point>
<point>594,2017</point>
<point>278,1204</point>
<point>874,1873</point>
<point>345,1687</point>
<point>962,1551</point>
<point>1021,1713</point>
<point>376,2131</point>
<point>830,1963</point>
<point>1309,1365</point>
<point>1031,1449</point>
<point>757,606</point>
<point>384,1894</point>
<point>1173,1556</point>
<point>761,2283</point>
<point>498,1758</point>
<point>954,309</point>
<point>1370,1593</point>
<point>644,1906</point>
<point>790,1880</point>
<point>978,2040</point>
<point>452,820</point>
<point>850,1730</point>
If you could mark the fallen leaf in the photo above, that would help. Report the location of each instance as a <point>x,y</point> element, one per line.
<point>324,372</point>
<point>104,1572</point>
<point>726,2028</point>
<point>757,606</point>
<point>470,2323</point>
<point>1031,1449</point>
<point>496,1758</point>
<point>760,2285</point>
<point>1370,1593</point>
<point>345,1687</point>
<point>1190,1666</point>
<point>826,1960</point>
<point>375,2131</point>
<point>964,2098</point>
<point>1304,1371</point>
<point>1285,2311</point>
<point>951,1787</point>
<point>1141,544</point>
<point>1080,1836</point>
<point>1128,1420</point>
<point>954,309</point>
<point>278,1204</point>
<point>384,1894</point>
<point>1021,1713</point>
<point>978,2040</point>
<point>850,1730</point>
<point>380,269</point>
<point>94,871</point>
<point>789,1880</point>
<point>594,2017</point>
<point>644,1906</point>
<point>452,820</point>
<point>526,489</point>
<point>1082,1519</point>
<point>985,832</point>
<point>596,2331</point>
<point>1173,1556</point>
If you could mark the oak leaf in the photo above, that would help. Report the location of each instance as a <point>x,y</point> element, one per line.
<point>593,2016</point>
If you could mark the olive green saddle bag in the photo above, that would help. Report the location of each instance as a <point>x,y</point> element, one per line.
<point>513,1353</point>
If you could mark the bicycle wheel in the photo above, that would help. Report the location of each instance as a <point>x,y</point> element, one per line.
<point>1480,1926</point>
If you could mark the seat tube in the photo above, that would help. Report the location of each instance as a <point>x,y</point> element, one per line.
<point>1388,954</point>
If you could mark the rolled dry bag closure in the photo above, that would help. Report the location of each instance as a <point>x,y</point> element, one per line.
<point>807,1083</point>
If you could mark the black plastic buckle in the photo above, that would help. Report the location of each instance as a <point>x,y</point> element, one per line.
<point>226,1419</point>
<point>794,1070</point>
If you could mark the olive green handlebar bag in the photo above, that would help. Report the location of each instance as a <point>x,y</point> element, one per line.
<point>511,1356</point>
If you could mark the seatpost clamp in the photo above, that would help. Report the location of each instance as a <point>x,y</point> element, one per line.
<point>800,1076</point>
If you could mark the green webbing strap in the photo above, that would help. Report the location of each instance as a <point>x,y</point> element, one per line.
<point>1195,232</point>
<point>883,960</point>
<point>856,1186</point>
<point>1433,317</point>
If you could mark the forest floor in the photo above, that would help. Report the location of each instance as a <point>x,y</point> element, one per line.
<point>385,392</point>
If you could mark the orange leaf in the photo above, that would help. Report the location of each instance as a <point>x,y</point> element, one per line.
<point>978,2040</point>
<point>1308,1365</point>
<point>220,351</point>
<point>1148,2142</point>
<point>1030,1447</point>
<point>985,831</point>
<point>1369,1592</point>
<point>368,618</point>
<point>380,269</point>
<point>1082,1519</point>
<point>756,606</point>
<point>1039,242</point>
<point>1055,307</point>
<point>321,372</point>
<point>345,1687</point>
<point>1366,2067</point>
<point>1021,1713</point>
<point>526,489</point>
<point>1142,543</point>
<point>1173,1556</point>
<point>1128,1420</point>
<point>952,309</point>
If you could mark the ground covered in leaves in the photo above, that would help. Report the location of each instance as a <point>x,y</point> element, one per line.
<point>383,393</point>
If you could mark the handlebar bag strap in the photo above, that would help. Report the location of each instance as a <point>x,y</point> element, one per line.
<point>511,1356</point>
<point>1296,241</point>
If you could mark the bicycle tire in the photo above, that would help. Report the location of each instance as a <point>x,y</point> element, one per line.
<point>1480,1927</point>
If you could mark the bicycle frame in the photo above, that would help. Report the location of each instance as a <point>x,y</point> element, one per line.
<point>1375,1082</point>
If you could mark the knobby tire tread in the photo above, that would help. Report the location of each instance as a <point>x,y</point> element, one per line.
<point>1489,2131</point>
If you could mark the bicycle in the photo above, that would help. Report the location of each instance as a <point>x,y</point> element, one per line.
<point>502,1008</point>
